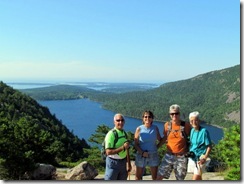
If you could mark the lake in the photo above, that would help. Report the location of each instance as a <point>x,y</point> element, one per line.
<point>83,116</point>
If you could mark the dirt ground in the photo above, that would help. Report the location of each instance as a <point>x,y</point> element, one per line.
<point>206,176</point>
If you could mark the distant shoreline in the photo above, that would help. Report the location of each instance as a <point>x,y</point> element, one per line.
<point>97,84</point>
<point>217,126</point>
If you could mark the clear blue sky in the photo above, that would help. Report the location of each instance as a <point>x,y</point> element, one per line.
<point>117,40</point>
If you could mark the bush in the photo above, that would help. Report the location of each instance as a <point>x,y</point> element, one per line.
<point>228,153</point>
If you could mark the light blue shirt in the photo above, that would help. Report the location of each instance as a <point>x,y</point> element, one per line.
<point>148,138</point>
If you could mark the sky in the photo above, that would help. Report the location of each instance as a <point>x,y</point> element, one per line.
<point>151,41</point>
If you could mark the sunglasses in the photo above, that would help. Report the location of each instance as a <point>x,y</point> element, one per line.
<point>147,116</point>
<point>118,120</point>
<point>176,113</point>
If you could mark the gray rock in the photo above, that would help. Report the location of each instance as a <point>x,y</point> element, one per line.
<point>42,172</point>
<point>83,171</point>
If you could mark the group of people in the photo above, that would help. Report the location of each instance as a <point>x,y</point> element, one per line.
<point>179,157</point>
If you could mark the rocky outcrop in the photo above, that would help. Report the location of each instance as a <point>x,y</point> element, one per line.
<point>83,171</point>
<point>42,172</point>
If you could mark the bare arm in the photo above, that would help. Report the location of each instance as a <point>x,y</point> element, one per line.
<point>159,138</point>
<point>136,140</point>
<point>162,141</point>
<point>158,135</point>
<point>124,147</point>
<point>205,156</point>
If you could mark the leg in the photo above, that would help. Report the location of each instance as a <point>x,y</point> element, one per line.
<point>196,177</point>
<point>111,172</point>
<point>201,170</point>
<point>159,177</point>
<point>123,174</point>
<point>139,173</point>
<point>154,171</point>
<point>140,163</point>
<point>180,167</point>
<point>166,167</point>
<point>197,172</point>
<point>153,162</point>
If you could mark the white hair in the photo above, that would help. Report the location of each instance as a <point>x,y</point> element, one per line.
<point>118,114</point>
<point>174,107</point>
<point>194,114</point>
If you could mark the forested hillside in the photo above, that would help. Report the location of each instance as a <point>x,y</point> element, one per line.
<point>77,90</point>
<point>29,134</point>
<point>60,92</point>
<point>216,95</point>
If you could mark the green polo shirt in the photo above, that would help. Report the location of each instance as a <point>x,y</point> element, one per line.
<point>109,141</point>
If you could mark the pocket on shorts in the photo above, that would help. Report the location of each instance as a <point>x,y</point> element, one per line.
<point>139,162</point>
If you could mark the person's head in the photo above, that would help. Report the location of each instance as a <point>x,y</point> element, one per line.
<point>194,118</point>
<point>119,121</point>
<point>174,112</point>
<point>147,117</point>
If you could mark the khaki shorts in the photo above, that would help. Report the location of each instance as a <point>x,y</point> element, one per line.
<point>196,168</point>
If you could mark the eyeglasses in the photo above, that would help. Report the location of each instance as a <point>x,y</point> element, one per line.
<point>176,113</point>
<point>118,120</point>
<point>147,116</point>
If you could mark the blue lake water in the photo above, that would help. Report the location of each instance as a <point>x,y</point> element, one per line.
<point>83,116</point>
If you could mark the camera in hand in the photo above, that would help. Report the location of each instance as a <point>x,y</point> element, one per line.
<point>190,154</point>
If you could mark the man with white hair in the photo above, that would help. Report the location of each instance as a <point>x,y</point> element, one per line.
<point>200,147</point>
<point>117,151</point>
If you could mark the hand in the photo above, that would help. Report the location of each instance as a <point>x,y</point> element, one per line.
<point>145,154</point>
<point>202,159</point>
<point>126,145</point>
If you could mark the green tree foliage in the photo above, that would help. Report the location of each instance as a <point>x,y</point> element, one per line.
<point>227,152</point>
<point>99,135</point>
<point>29,134</point>
<point>215,94</point>
<point>59,92</point>
<point>94,154</point>
<point>24,143</point>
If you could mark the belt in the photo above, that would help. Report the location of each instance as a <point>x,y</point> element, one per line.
<point>176,154</point>
<point>117,159</point>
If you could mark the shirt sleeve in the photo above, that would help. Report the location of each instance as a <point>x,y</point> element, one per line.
<point>109,140</point>
<point>207,138</point>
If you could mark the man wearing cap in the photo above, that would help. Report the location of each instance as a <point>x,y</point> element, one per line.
<point>176,146</point>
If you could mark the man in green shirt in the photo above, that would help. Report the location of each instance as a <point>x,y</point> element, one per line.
<point>118,154</point>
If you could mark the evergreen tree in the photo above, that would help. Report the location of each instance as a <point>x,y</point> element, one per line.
<point>227,153</point>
